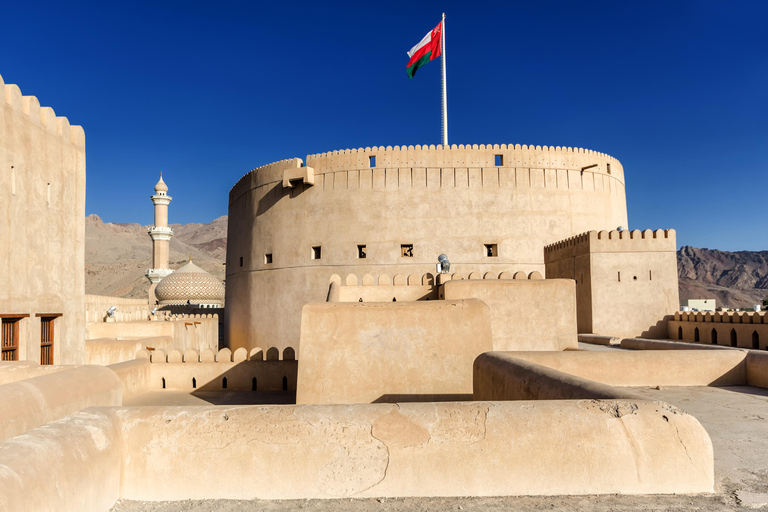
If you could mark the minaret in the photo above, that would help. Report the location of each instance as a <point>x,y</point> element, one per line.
<point>161,235</point>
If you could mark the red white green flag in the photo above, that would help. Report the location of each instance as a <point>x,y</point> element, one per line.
<point>428,49</point>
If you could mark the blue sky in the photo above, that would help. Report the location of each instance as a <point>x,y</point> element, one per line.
<point>206,91</point>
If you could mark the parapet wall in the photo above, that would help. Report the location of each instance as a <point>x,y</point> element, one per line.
<point>390,351</point>
<point>128,310</point>
<point>42,221</point>
<point>733,329</point>
<point>611,241</point>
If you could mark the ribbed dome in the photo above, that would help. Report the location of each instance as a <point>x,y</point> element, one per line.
<point>161,186</point>
<point>190,284</point>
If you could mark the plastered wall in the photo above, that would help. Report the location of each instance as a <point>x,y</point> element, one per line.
<point>626,281</point>
<point>731,329</point>
<point>525,315</point>
<point>441,200</point>
<point>390,351</point>
<point>128,310</point>
<point>42,223</point>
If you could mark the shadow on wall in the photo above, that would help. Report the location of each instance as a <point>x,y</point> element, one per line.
<point>658,330</point>
<point>276,193</point>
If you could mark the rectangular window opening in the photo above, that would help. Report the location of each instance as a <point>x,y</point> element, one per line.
<point>491,250</point>
<point>316,252</point>
<point>619,276</point>
<point>406,250</point>
<point>268,258</point>
<point>371,161</point>
<point>609,168</point>
<point>361,252</point>
<point>46,340</point>
<point>10,339</point>
<point>241,261</point>
<point>650,275</point>
<point>498,160</point>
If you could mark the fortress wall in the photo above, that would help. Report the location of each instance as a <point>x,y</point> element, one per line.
<point>71,465</point>
<point>128,310</point>
<point>42,219</point>
<point>30,403</point>
<point>626,281</point>
<point>135,376</point>
<point>525,315</point>
<point>414,449</point>
<point>207,371</point>
<point>346,451</point>
<point>366,352</point>
<point>187,331</point>
<point>720,331</point>
<point>108,351</point>
<point>647,367</point>
<point>14,371</point>
<point>502,376</point>
<point>538,196</point>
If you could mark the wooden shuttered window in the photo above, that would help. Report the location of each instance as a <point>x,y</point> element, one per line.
<point>10,333</point>
<point>46,339</point>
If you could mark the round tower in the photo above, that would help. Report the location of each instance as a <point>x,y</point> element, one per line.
<point>161,235</point>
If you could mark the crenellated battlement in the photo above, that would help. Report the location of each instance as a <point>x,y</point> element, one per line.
<point>224,355</point>
<point>264,174</point>
<point>43,116</point>
<point>612,241</point>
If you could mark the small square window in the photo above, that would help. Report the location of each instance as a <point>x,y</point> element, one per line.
<point>268,258</point>
<point>406,250</point>
<point>316,252</point>
<point>491,250</point>
<point>361,251</point>
<point>498,160</point>
<point>241,261</point>
<point>372,161</point>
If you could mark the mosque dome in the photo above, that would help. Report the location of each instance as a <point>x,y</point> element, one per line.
<point>190,285</point>
<point>161,186</point>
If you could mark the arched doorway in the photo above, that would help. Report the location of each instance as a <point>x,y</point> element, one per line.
<point>714,336</point>
<point>755,340</point>
<point>680,332</point>
<point>696,334</point>
<point>733,338</point>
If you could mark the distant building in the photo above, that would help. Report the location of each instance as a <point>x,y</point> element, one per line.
<point>698,304</point>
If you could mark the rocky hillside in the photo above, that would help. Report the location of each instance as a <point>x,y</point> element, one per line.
<point>735,279</point>
<point>117,255</point>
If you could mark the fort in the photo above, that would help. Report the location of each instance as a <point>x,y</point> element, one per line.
<point>541,357</point>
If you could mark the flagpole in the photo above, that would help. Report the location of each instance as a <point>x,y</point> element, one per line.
<point>445,88</point>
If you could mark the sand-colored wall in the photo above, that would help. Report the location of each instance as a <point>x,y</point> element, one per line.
<point>757,369</point>
<point>135,376</point>
<point>364,352</point>
<point>111,351</point>
<point>14,371</point>
<point>734,329</point>
<point>442,200</point>
<point>42,224</point>
<point>502,376</point>
<point>197,332</point>
<point>128,310</point>
<point>210,376</point>
<point>30,403</point>
<point>626,281</point>
<point>525,314</point>
<point>648,367</point>
<point>424,449</point>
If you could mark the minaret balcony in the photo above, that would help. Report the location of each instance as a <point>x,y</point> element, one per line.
<point>156,274</point>
<point>160,233</point>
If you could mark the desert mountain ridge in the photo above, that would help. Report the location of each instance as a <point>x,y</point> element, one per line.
<point>117,255</point>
